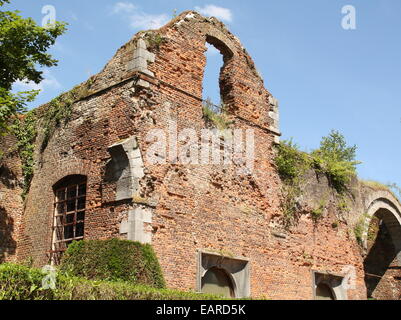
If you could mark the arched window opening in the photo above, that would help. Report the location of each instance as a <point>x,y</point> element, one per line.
<point>324,292</point>
<point>211,78</point>
<point>381,266</point>
<point>216,281</point>
<point>217,56</point>
<point>69,213</point>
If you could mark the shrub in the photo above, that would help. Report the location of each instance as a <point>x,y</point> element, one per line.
<point>154,40</point>
<point>216,115</point>
<point>113,260</point>
<point>335,159</point>
<point>317,213</point>
<point>290,161</point>
<point>23,283</point>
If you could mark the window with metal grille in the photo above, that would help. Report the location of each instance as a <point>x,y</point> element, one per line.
<point>69,214</point>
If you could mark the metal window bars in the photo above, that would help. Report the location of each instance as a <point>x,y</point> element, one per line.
<point>69,218</point>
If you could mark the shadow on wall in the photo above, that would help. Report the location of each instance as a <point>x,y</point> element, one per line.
<point>379,267</point>
<point>7,243</point>
<point>8,178</point>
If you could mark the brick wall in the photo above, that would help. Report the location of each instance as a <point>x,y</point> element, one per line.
<point>194,207</point>
<point>11,206</point>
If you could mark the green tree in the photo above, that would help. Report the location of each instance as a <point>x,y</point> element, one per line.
<point>23,48</point>
<point>336,159</point>
<point>335,147</point>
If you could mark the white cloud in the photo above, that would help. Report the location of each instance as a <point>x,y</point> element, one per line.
<point>123,7</point>
<point>138,19</point>
<point>148,21</point>
<point>215,11</point>
<point>49,82</point>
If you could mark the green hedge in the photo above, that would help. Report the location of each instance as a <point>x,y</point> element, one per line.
<point>22,283</point>
<point>113,260</point>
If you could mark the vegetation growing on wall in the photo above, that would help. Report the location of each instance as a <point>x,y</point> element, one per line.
<point>317,213</point>
<point>333,158</point>
<point>25,127</point>
<point>154,40</point>
<point>336,160</point>
<point>390,187</point>
<point>215,115</point>
<point>292,164</point>
<point>113,260</point>
<point>360,228</point>
<point>59,110</point>
<point>25,130</point>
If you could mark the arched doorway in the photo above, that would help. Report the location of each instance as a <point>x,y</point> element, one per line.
<point>382,263</point>
<point>216,281</point>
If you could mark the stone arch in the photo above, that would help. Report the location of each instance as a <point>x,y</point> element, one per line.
<point>69,168</point>
<point>217,39</point>
<point>384,203</point>
<point>382,244</point>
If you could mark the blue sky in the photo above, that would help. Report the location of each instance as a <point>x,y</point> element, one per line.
<point>325,77</point>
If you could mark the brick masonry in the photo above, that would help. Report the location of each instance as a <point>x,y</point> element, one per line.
<point>153,81</point>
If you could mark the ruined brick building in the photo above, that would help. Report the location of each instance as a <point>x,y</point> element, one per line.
<point>207,223</point>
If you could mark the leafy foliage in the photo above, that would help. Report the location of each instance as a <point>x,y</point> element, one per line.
<point>48,118</point>
<point>154,40</point>
<point>317,213</point>
<point>291,162</point>
<point>24,128</point>
<point>22,283</point>
<point>291,165</point>
<point>215,115</point>
<point>336,160</point>
<point>59,110</point>
<point>23,47</point>
<point>113,260</point>
<point>289,204</point>
<point>11,104</point>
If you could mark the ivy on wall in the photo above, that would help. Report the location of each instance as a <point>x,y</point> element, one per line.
<point>47,119</point>
<point>25,130</point>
